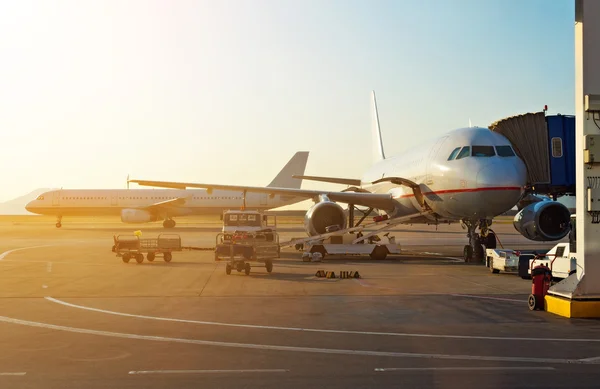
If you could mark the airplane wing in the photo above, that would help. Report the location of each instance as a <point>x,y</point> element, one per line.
<point>374,200</point>
<point>333,180</point>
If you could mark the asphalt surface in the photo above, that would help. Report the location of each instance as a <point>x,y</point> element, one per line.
<point>72,315</point>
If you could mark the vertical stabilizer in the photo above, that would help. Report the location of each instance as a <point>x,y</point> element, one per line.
<point>378,153</point>
<point>295,167</point>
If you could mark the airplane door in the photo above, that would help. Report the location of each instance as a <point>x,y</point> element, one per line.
<point>56,198</point>
<point>263,199</point>
<point>113,199</point>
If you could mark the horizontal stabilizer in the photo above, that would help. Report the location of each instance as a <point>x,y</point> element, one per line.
<point>333,180</point>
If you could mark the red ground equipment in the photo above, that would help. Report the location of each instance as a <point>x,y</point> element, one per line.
<point>541,276</point>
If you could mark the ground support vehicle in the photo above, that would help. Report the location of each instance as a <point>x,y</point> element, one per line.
<point>132,246</point>
<point>241,248</point>
<point>504,260</point>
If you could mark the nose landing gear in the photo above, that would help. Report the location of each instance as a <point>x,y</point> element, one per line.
<point>475,249</point>
<point>58,221</point>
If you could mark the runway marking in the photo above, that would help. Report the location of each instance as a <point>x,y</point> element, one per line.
<point>348,332</point>
<point>134,372</point>
<point>314,350</point>
<point>4,254</point>
<point>13,374</point>
<point>469,369</point>
<point>488,298</point>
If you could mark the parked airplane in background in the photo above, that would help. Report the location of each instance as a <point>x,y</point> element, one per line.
<point>149,205</point>
<point>467,175</point>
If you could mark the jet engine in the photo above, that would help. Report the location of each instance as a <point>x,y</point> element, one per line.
<point>322,215</point>
<point>543,221</point>
<point>137,216</point>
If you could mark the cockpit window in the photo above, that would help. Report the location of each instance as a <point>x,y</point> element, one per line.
<point>465,152</point>
<point>505,151</point>
<point>483,151</point>
<point>453,153</point>
<point>40,198</point>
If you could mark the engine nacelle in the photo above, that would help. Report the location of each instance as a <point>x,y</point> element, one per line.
<point>543,221</point>
<point>137,216</point>
<point>322,215</point>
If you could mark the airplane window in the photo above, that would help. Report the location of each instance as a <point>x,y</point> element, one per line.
<point>465,152</point>
<point>453,153</point>
<point>483,151</point>
<point>505,151</point>
<point>557,148</point>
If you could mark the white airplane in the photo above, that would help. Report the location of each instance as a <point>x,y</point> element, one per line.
<point>149,205</point>
<point>467,175</point>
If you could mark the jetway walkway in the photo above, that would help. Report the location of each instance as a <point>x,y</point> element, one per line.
<point>547,146</point>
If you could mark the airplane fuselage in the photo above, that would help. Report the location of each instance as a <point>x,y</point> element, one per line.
<point>107,202</point>
<point>480,184</point>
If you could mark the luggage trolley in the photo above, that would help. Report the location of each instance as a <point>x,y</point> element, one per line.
<point>240,248</point>
<point>131,246</point>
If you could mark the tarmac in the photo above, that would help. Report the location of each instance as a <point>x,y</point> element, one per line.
<point>73,315</point>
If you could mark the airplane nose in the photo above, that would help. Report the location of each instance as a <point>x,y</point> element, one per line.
<point>501,175</point>
<point>29,206</point>
<point>499,185</point>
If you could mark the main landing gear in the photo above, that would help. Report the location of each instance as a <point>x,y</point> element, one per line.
<point>58,221</point>
<point>486,237</point>
<point>169,223</point>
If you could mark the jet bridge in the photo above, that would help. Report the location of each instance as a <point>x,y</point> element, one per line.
<point>547,146</point>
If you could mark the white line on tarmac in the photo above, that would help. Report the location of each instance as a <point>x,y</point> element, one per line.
<point>487,298</point>
<point>493,368</point>
<point>269,347</point>
<point>212,323</point>
<point>207,371</point>
<point>13,374</point>
<point>4,254</point>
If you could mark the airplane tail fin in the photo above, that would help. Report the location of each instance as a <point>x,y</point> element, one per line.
<point>378,153</point>
<point>294,167</point>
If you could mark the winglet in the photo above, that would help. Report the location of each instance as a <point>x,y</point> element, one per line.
<point>294,167</point>
<point>378,153</point>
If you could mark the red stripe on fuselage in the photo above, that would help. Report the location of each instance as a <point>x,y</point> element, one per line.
<point>465,190</point>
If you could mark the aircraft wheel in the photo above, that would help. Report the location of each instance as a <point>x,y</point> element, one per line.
<point>150,257</point>
<point>468,253</point>
<point>228,269</point>
<point>269,266</point>
<point>478,252</point>
<point>379,253</point>
<point>531,302</point>
<point>247,269</point>
<point>126,258</point>
<point>58,225</point>
<point>139,258</point>
<point>167,257</point>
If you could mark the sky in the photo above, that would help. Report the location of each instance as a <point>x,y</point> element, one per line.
<point>227,91</point>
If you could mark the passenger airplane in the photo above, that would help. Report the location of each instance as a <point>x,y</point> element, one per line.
<point>149,205</point>
<point>467,175</point>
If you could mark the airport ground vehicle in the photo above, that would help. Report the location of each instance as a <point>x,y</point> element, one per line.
<point>505,260</point>
<point>241,248</point>
<point>247,220</point>
<point>352,241</point>
<point>560,260</point>
<point>132,246</point>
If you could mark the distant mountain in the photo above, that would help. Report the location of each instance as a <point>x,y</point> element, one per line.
<point>17,206</point>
